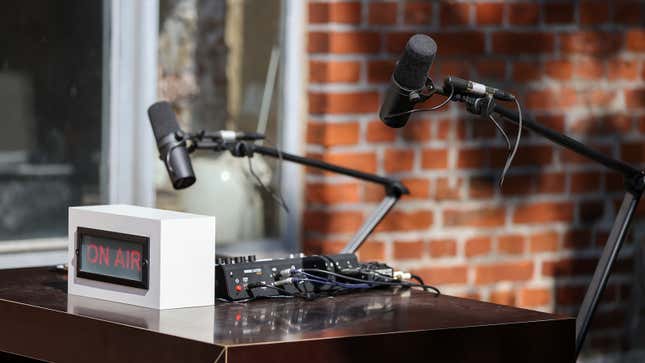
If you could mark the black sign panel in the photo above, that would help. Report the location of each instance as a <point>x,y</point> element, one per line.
<point>112,257</point>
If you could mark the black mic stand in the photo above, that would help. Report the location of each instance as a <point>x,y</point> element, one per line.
<point>394,189</point>
<point>634,186</point>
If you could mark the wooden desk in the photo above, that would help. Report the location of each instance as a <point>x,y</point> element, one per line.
<point>40,320</point>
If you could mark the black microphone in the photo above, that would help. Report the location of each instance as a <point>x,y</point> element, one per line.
<point>171,145</point>
<point>464,86</point>
<point>408,80</point>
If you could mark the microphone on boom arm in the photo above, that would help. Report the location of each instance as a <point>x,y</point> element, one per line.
<point>408,80</point>
<point>171,142</point>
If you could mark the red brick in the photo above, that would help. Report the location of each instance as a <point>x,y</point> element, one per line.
<point>329,247</point>
<point>628,12</point>
<point>554,121</point>
<point>478,217</point>
<point>577,239</point>
<point>633,152</point>
<point>635,39</point>
<point>373,192</point>
<point>434,159</point>
<point>416,131</point>
<point>594,12</point>
<point>364,161</point>
<point>489,13</point>
<point>332,222</point>
<point>570,157</point>
<point>333,193</point>
<point>443,275</point>
<point>622,69</point>
<point>406,221</point>
<point>603,125</point>
<point>542,212</point>
<point>344,42</point>
<point>398,160</point>
<point>585,182</point>
<point>372,251</point>
<point>543,242</point>
<point>335,12</point>
<point>490,68</point>
<point>454,14</point>
<point>378,132</point>
<point>517,184</point>
<point>569,266</point>
<point>472,158</point>
<point>530,43</point>
<point>335,103</point>
<point>523,13</point>
<point>569,295</point>
<point>530,155</point>
<point>525,71</point>
<point>443,248</point>
<point>551,183</point>
<point>380,71</point>
<point>481,187</point>
<point>559,13</point>
<point>534,297</point>
<point>458,68</point>
<point>591,211</point>
<point>590,42</point>
<point>333,134</point>
<point>406,250</point>
<point>450,128</point>
<point>419,188</point>
<point>547,99</point>
<point>477,246</point>
<point>589,69</point>
<point>334,71</point>
<point>457,43</point>
<point>635,98</point>
<point>509,271</point>
<point>448,189</point>
<point>460,43</point>
<point>559,69</point>
<point>418,12</point>
<point>503,297</point>
<point>512,244</point>
<point>382,13</point>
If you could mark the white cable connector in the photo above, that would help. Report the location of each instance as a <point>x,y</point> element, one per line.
<point>286,281</point>
<point>401,275</point>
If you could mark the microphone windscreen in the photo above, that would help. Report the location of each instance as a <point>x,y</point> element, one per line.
<point>163,119</point>
<point>412,69</point>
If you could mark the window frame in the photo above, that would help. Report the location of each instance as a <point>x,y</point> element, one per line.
<point>127,167</point>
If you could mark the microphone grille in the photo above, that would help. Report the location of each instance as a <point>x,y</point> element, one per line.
<point>412,69</point>
<point>163,119</point>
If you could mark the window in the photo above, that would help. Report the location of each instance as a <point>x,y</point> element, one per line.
<point>219,64</point>
<point>74,77</point>
<point>52,98</point>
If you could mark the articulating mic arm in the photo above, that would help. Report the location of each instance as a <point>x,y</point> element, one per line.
<point>394,189</point>
<point>634,186</point>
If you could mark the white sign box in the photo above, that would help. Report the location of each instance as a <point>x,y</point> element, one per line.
<point>142,256</point>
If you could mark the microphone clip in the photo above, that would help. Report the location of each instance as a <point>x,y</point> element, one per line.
<point>416,95</point>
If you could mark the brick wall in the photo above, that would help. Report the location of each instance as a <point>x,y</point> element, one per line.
<point>579,67</point>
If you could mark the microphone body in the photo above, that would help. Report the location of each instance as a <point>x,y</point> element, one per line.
<point>171,145</point>
<point>408,79</point>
